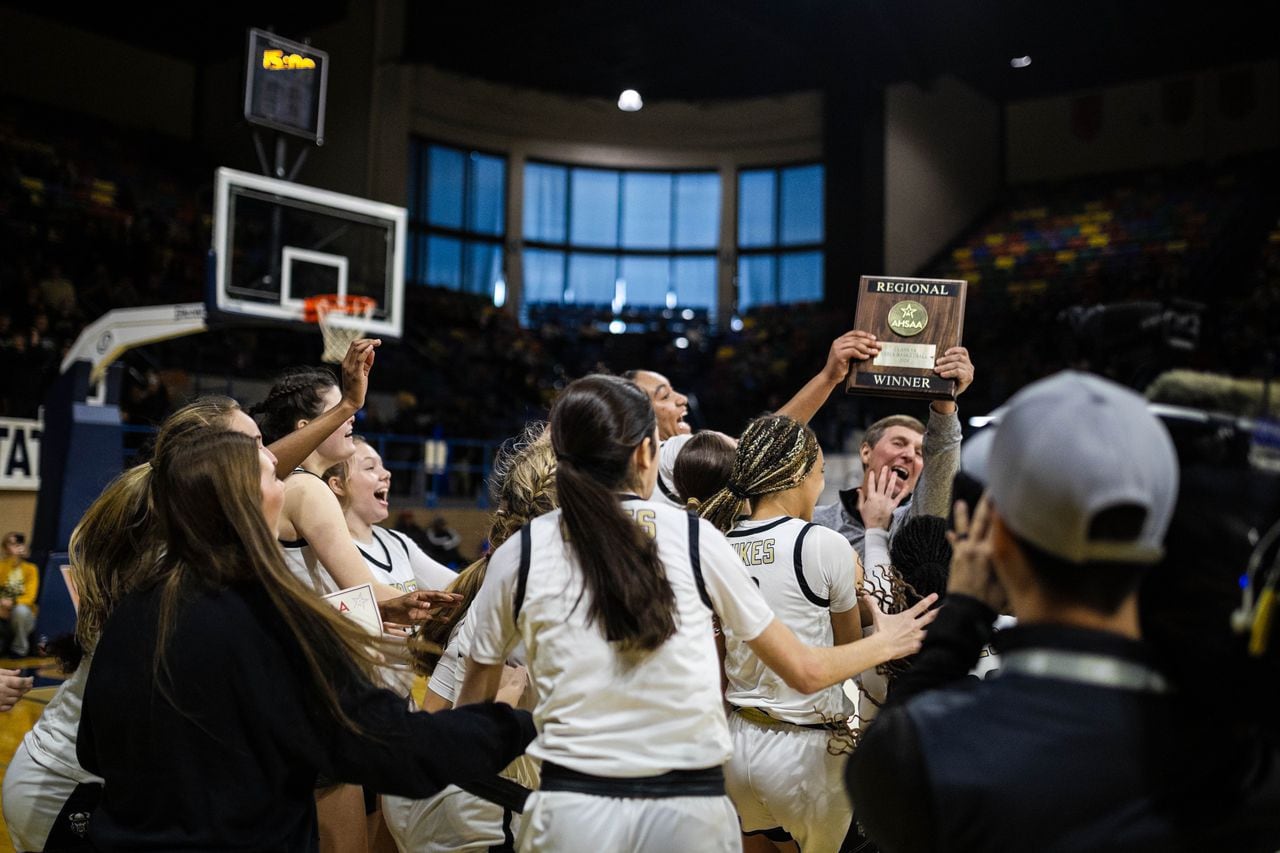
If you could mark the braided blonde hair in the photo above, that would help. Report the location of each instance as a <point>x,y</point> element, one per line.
<point>774,454</point>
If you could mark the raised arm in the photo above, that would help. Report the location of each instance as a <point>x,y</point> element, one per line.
<point>298,445</point>
<point>809,399</point>
<point>932,495</point>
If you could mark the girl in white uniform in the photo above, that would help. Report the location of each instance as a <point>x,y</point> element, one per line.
<point>783,772</point>
<point>313,531</point>
<point>613,596</point>
<point>361,484</point>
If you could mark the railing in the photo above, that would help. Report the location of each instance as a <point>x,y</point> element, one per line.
<point>426,472</point>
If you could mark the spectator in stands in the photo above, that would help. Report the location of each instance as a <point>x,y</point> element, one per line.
<point>1080,744</point>
<point>19,584</point>
<point>57,292</point>
<point>443,543</point>
<point>146,399</point>
<point>407,524</point>
<point>923,459</point>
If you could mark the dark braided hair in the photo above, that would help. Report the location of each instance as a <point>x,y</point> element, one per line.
<point>921,554</point>
<point>298,394</point>
<point>920,563</point>
<point>774,454</point>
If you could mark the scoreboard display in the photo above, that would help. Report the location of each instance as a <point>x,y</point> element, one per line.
<point>285,85</point>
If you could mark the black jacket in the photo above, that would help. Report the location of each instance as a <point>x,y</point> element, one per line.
<point>227,758</point>
<point>1078,744</point>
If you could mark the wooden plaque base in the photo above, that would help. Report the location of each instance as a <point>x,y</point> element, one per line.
<point>916,320</point>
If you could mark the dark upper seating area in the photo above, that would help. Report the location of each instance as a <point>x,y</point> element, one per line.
<point>92,217</point>
<point>1187,239</point>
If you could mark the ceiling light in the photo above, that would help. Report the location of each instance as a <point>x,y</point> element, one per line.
<point>617,327</point>
<point>1016,62</point>
<point>682,342</point>
<point>629,101</point>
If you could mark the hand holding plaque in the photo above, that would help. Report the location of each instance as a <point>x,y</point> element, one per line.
<point>915,320</point>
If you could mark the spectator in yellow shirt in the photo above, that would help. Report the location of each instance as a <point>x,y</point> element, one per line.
<point>19,583</point>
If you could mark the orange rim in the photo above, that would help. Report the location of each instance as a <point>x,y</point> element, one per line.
<point>332,302</point>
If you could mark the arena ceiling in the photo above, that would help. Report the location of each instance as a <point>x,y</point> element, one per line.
<point>700,49</point>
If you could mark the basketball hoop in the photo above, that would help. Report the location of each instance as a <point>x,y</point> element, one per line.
<point>341,320</point>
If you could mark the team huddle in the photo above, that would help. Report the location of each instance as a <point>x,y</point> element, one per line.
<point>669,647</point>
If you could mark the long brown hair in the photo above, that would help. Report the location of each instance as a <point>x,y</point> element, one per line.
<point>206,492</point>
<point>115,544</point>
<point>774,454</point>
<point>703,467</point>
<point>523,486</point>
<point>596,426</point>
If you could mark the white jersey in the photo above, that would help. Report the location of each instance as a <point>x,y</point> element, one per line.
<point>446,679</point>
<point>301,560</point>
<point>396,560</point>
<point>806,572</point>
<point>664,491</point>
<point>52,740</point>
<point>597,712</point>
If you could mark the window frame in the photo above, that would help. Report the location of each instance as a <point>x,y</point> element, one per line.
<point>568,248</point>
<point>420,228</point>
<point>777,249</point>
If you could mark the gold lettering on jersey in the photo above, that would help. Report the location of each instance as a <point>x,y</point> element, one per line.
<point>647,519</point>
<point>757,553</point>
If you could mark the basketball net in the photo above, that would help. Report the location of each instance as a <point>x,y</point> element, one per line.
<point>323,310</point>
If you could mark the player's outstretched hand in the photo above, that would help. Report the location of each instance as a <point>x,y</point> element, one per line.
<point>12,688</point>
<point>877,500</point>
<point>955,364</point>
<point>422,605</point>
<point>903,633</point>
<point>855,345</point>
<point>356,365</point>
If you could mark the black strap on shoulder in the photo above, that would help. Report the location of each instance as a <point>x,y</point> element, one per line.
<point>739,532</point>
<point>670,494</point>
<point>798,560</point>
<point>522,578</point>
<point>301,470</point>
<point>399,537</point>
<point>695,561</point>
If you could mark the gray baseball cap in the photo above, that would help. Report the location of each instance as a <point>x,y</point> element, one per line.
<point>1071,446</point>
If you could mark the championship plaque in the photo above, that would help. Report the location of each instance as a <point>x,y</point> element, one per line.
<point>915,320</point>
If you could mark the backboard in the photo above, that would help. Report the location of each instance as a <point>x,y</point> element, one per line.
<point>277,242</point>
